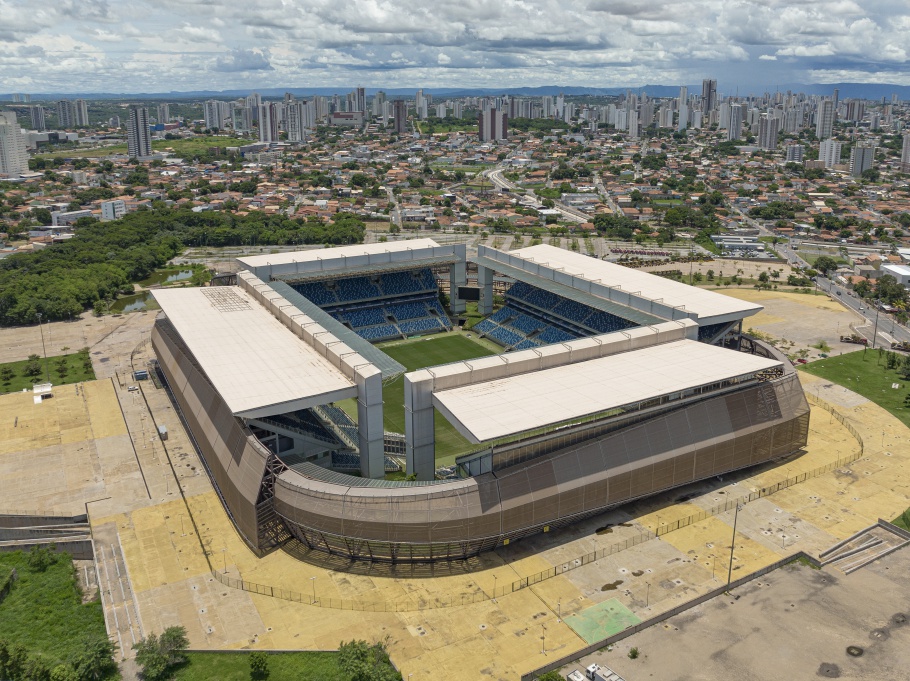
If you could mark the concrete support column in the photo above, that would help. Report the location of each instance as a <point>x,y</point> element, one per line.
<point>485,282</point>
<point>419,425</point>
<point>458,276</point>
<point>369,421</point>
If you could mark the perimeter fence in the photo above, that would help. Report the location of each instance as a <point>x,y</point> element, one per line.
<point>429,603</point>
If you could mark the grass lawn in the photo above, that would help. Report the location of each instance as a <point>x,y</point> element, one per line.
<point>865,373</point>
<point>44,611</point>
<point>301,666</point>
<point>426,352</point>
<point>416,354</point>
<point>78,368</point>
<point>180,147</point>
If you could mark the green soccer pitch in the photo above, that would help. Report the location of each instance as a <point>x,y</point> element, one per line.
<point>416,354</point>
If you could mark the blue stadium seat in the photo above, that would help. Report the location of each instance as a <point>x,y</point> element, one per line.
<point>402,311</point>
<point>356,288</point>
<point>420,325</point>
<point>553,335</point>
<point>316,292</point>
<point>378,333</point>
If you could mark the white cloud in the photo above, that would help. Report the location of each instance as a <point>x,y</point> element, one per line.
<point>217,44</point>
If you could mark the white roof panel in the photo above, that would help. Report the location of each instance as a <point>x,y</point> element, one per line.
<point>495,409</point>
<point>291,257</point>
<point>254,361</point>
<point>704,303</point>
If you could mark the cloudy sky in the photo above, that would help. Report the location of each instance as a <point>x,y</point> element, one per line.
<point>178,45</point>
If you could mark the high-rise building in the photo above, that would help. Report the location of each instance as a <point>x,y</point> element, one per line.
<point>215,112</point>
<point>633,124</point>
<point>164,113</point>
<point>36,116</point>
<point>795,153</point>
<point>296,113</point>
<point>829,152</point>
<point>683,122</point>
<point>905,154</point>
<point>138,136</point>
<point>360,100</point>
<point>66,115</point>
<point>708,95</point>
<point>735,122</point>
<point>378,100</point>
<point>861,158</point>
<point>13,152</point>
<point>400,114</point>
<point>824,119</point>
<point>80,106</point>
<point>492,125</point>
<point>768,127</point>
<point>683,97</point>
<point>269,115</point>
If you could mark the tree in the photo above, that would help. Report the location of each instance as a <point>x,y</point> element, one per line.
<point>35,669</point>
<point>96,660</point>
<point>361,661</point>
<point>550,676</point>
<point>62,368</point>
<point>6,375</point>
<point>40,558</point>
<point>158,655</point>
<point>33,366</point>
<point>825,264</point>
<point>259,665</point>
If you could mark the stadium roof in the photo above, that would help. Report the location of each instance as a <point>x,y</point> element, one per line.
<point>705,304</point>
<point>499,408</point>
<point>366,269</point>
<point>388,366</point>
<point>254,361</point>
<point>598,303</point>
<point>314,254</point>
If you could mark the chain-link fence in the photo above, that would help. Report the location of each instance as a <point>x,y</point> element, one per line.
<point>427,602</point>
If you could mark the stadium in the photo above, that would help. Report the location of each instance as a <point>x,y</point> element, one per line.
<point>605,385</point>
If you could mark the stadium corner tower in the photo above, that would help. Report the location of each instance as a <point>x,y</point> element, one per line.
<point>614,384</point>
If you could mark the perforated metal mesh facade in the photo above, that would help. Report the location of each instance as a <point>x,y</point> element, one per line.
<point>464,517</point>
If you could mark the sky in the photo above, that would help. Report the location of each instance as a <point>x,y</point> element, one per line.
<point>133,46</point>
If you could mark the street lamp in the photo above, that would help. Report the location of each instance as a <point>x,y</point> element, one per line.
<point>648,595</point>
<point>543,638</point>
<point>224,556</point>
<point>733,545</point>
<point>313,582</point>
<point>494,588</point>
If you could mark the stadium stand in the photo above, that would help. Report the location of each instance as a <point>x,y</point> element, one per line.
<point>383,307</point>
<point>532,317</point>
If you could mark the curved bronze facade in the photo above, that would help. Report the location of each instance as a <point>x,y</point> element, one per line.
<point>374,520</point>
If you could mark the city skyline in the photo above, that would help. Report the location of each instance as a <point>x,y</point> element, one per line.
<point>138,46</point>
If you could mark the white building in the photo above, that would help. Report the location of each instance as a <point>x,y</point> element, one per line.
<point>899,272</point>
<point>905,154</point>
<point>112,210</point>
<point>138,136</point>
<point>829,152</point>
<point>824,119</point>
<point>13,153</point>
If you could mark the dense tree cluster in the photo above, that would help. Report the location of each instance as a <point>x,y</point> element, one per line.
<point>103,259</point>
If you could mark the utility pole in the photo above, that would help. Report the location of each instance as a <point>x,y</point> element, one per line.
<point>875,330</point>
<point>47,371</point>
<point>732,546</point>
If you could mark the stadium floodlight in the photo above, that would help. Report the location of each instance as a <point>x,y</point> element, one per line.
<point>733,544</point>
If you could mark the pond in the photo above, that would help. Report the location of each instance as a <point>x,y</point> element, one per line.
<point>163,277</point>
<point>134,303</point>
